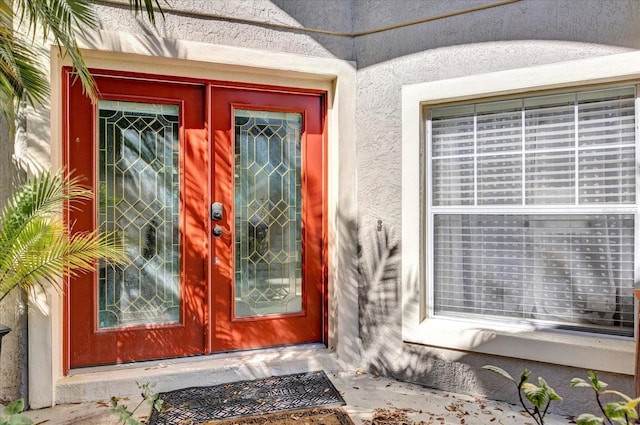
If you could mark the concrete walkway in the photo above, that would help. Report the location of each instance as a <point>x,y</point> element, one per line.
<point>362,392</point>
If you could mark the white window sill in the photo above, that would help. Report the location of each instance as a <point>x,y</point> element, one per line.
<point>587,351</point>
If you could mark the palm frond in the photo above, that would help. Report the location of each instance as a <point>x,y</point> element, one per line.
<point>51,253</point>
<point>39,196</point>
<point>20,72</point>
<point>36,248</point>
<point>15,250</point>
<point>27,250</point>
<point>149,7</point>
<point>60,19</point>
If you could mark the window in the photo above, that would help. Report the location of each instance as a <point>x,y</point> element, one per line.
<point>532,208</point>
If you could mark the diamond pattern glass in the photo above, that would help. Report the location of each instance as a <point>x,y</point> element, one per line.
<point>138,171</point>
<point>268,213</point>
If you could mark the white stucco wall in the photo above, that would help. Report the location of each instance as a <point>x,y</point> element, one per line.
<point>197,40</point>
<point>518,35</point>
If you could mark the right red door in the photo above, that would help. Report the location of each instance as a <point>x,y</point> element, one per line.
<point>267,260</point>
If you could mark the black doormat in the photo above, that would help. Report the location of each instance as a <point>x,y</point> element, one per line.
<point>246,398</point>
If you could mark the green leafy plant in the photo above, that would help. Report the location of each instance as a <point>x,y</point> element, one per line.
<point>36,247</point>
<point>622,411</point>
<point>127,416</point>
<point>11,414</point>
<point>540,396</point>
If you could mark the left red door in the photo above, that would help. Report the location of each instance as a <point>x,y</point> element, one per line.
<point>143,149</point>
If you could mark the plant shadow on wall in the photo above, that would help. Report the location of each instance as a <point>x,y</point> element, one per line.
<point>381,306</point>
<point>385,353</point>
<point>379,294</point>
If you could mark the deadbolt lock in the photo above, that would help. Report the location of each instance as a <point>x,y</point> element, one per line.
<point>216,211</point>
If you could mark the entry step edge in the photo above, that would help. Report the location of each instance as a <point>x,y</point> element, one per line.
<point>102,382</point>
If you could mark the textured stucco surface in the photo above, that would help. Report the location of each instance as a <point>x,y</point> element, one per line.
<point>12,311</point>
<point>197,21</point>
<point>523,34</point>
<point>526,33</point>
<point>612,23</point>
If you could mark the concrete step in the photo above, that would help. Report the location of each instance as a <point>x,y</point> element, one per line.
<point>102,382</point>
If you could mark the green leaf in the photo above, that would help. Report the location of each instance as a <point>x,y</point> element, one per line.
<point>589,419</point>
<point>20,420</point>
<point>579,383</point>
<point>621,420</point>
<point>550,391</point>
<point>149,6</point>
<point>524,377</point>
<point>37,247</point>
<point>616,411</point>
<point>598,385</point>
<point>127,416</point>
<point>14,407</point>
<point>499,371</point>
<point>536,395</point>
<point>22,76</point>
<point>633,403</point>
<point>60,19</point>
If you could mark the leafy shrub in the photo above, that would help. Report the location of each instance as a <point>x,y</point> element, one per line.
<point>621,411</point>
<point>11,414</point>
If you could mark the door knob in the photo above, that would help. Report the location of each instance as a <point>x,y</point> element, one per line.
<point>216,211</point>
<point>217,231</point>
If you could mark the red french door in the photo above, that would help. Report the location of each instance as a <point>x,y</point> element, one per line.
<point>218,195</point>
<point>142,148</point>
<point>267,218</point>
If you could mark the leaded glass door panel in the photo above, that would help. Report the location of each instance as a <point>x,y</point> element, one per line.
<point>141,147</point>
<point>267,252</point>
<point>268,213</point>
<point>139,194</point>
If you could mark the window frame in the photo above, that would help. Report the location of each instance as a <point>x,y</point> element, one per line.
<point>523,208</point>
<point>517,340</point>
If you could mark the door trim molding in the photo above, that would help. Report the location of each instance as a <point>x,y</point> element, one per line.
<point>137,53</point>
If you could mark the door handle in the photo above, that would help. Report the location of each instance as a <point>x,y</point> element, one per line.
<point>217,231</point>
<point>216,211</point>
<point>223,235</point>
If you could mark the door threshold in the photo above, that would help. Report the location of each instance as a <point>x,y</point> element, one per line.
<point>100,383</point>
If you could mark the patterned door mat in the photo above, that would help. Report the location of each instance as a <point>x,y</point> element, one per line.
<point>197,405</point>
<point>317,416</point>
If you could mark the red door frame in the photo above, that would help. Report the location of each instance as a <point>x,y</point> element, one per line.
<point>194,141</point>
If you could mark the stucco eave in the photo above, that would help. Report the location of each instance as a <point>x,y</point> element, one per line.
<point>240,59</point>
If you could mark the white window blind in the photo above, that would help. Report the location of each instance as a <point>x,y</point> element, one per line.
<point>533,209</point>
